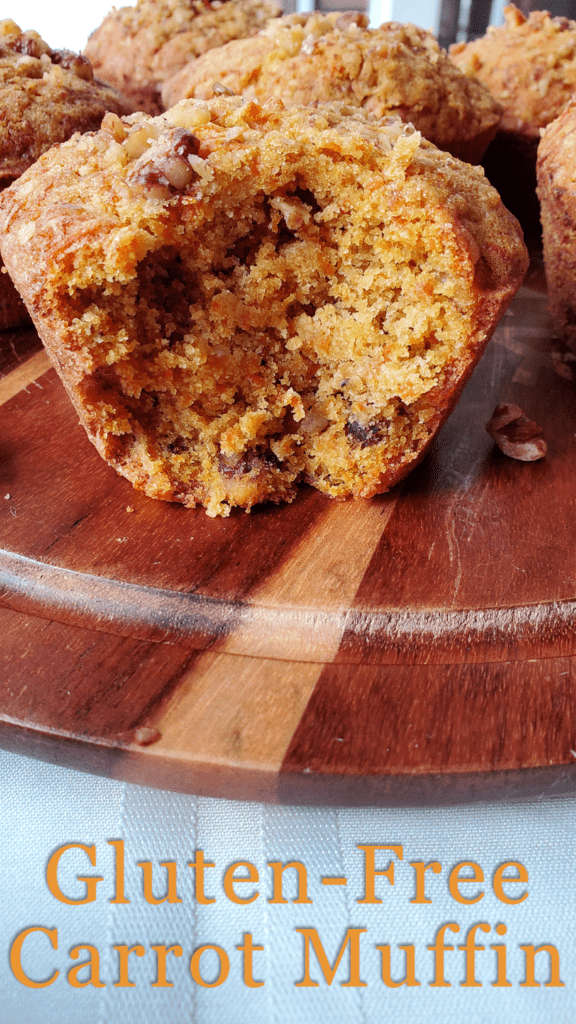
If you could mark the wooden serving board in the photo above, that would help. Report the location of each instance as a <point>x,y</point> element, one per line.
<point>416,647</point>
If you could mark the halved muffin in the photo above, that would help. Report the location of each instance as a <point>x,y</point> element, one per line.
<point>241,297</point>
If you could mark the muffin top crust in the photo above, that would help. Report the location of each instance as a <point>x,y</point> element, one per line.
<point>45,96</point>
<point>395,70</point>
<point>137,48</point>
<point>529,65</point>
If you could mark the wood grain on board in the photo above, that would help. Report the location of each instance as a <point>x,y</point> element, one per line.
<point>415,647</point>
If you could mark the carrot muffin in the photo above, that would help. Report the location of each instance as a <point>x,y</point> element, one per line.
<point>557,191</point>
<point>529,65</point>
<point>240,297</point>
<point>137,48</point>
<point>395,70</point>
<point>45,96</point>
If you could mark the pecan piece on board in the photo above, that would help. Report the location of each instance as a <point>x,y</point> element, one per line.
<point>515,434</point>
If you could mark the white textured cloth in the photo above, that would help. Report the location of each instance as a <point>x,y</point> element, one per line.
<point>44,808</point>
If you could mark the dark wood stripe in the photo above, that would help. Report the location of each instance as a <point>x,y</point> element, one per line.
<point>441,790</point>
<point>16,347</point>
<point>80,682</point>
<point>399,722</point>
<point>111,606</point>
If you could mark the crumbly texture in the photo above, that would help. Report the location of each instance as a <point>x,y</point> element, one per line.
<point>395,70</point>
<point>529,65</point>
<point>137,48</point>
<point>557,192</point>
<point>241,297</point>
<point>45,96</point>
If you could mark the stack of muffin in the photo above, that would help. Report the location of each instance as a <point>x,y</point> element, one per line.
<point>287,276</point>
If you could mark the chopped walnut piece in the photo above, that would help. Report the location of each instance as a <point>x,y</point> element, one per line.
<point>219,89</point>
<point>516,435</point>
<point>145,736</point>
<point>163,167</point>
<point>29,45</point>
<point>75,62</point>
<point>296,215</point>
<point>352,18</point>
<point>113,125</point>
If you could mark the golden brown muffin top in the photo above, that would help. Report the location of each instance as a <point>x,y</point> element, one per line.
<point>394,70</point>
<point>529,65</point>
<point>137,48</point>
<point>45,96</point>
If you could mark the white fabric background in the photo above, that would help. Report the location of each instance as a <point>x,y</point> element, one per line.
<point>44,807</point>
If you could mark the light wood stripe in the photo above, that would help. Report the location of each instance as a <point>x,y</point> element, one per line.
<point>22,376</point>
<point>245,710</point>
<point>323,575</point>
<point>236,711</point>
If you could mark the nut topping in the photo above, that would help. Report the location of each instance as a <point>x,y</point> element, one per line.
<point>219,89</point>
<point>352,18</point>
<point>516,435</point>
<point>74,62</point>
<point>164,166</point>
<point>28,45</point>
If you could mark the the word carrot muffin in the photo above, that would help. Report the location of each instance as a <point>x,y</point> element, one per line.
<point>241,297</point>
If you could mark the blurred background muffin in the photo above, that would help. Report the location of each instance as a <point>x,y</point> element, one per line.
<point>529,65</point>
<point>137,48</point>
<point>556,171</point>
<point>45,96</point>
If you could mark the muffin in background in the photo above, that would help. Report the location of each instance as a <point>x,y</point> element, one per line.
<point>137,48</point>
<point>529,65</point>
<point>394,70</point>
<point>45,96</point>
<point>556,170</point>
